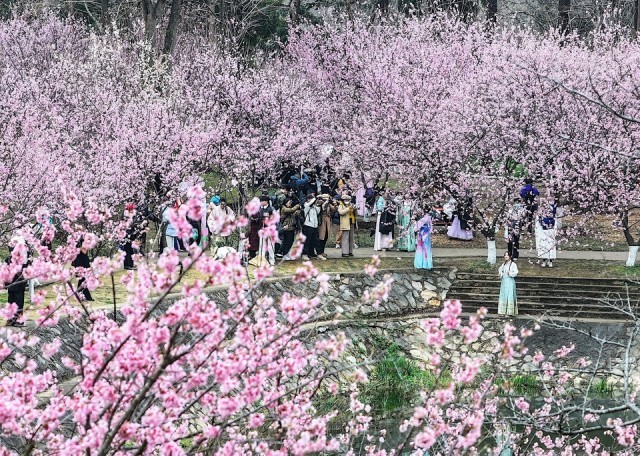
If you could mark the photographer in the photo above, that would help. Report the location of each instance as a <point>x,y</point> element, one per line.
<point>312,208</point>
<point>300,184</point>
<point>288,215</point>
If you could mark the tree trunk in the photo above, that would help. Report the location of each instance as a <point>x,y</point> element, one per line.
<point>563,16</point>
<point>492,11</point>
<point>104,15</point>
<point>349,9</point>
<point>152,12</point>
<point>383,6</point>
<point>172,28</point>
<point>636,15</point>
<point>633,253</point>
<point>626,229</point>
<point>491,251</point>
<point>631,242</point>
<point>296,10</point>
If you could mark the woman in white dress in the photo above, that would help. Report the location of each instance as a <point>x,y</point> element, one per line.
<point>381,241</point>
<point>546,235</point>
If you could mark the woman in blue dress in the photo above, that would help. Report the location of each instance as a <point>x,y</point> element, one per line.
<point>423,258</point>
<point>508,303</point>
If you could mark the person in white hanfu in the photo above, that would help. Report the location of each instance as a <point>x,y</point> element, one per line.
<point>546,234</point>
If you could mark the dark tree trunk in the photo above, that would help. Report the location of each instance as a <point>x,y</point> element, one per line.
<point>172,28</point>
<point>296,11</point>
<point>152,13</point>
<point>383,5</point>
<point>626,230</point>
<point>492,11</point>
<point>349,9</point>
<point>465,8</point>
<point>563,16</point>
<point>104,15</point>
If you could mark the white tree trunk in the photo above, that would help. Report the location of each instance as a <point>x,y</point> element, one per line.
<point>633,251</point>
<point>491,252</point>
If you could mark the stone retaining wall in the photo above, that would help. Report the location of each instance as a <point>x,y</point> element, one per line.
<point>411,292</point>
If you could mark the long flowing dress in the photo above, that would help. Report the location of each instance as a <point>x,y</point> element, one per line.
<point>545,242</point>
<point>423,258</point>
<point>460,227</point>
<point>508,303</point>
<point>381,241</point>
<point>407,237</point>
<point>360,201</point>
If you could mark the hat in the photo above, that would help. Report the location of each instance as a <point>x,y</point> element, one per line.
<point>324,196</point>
<point>346,197</point>
<point>215,199</point>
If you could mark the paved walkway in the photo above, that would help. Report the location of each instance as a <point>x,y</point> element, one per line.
<point>368,252</point>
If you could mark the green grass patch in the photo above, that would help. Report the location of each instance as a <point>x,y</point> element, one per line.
<point>601,388</point>
<point>521,385</point>
<point>396,381</point>
<point>481,266</point>
<point>622,270</point>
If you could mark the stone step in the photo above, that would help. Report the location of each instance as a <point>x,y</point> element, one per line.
<point>548,300</point>
<point>549,281</point>
<point>557,296</point>
<point>543,301</point>
<point>461,276</point>
<point>533,308</point>
<point>613,293</point>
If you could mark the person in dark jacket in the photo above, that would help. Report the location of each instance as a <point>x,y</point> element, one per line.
<point>288,222</point>
<point>300,184</point>
<point>134,233</point>
<point>16,291</point>
<point>82,265</point>
<point>529,195</point>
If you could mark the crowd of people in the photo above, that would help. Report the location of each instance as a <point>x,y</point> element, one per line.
<point>325,211</point>
<point>322,212</point>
